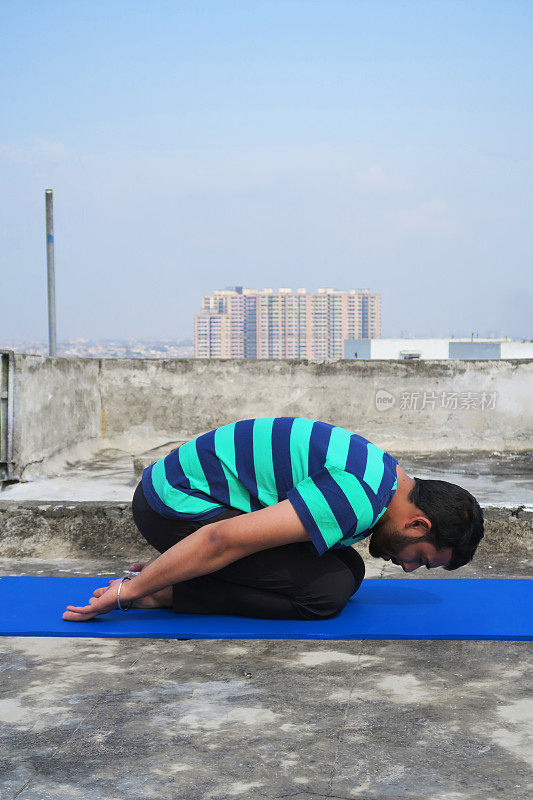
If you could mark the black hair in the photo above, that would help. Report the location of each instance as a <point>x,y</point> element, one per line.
<point>455,516</point>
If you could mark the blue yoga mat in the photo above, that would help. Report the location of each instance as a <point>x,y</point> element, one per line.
<point>381,609</point>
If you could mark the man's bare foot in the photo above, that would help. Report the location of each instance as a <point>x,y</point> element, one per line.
<point>161,599</point>
<point>140,565</point>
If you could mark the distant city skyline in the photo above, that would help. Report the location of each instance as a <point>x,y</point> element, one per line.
<point>266,143</point>
<point>106,348</point>
<point>242,322</point>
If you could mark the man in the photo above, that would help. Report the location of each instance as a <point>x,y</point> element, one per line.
<point>256,518</point>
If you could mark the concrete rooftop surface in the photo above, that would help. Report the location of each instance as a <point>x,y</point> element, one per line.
<point>496,479</point>
<point>210,720</point>
<point>158,719</point>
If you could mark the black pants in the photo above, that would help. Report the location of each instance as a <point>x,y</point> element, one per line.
<point>288,582</point>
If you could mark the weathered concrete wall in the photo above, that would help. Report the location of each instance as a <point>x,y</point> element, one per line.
<point>401,405</point>
<point>57,404</point>
<point>87,529</point>
<point>62,530</point>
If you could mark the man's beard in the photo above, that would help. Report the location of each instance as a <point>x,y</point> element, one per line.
<point>387,541</point>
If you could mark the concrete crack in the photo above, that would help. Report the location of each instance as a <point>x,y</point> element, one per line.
<point>313,795</point>
<point>343,726</point>
<point>59,747</point>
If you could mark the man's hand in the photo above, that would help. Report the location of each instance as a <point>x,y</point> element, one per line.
<point>103,600</point>
<point>207,550</point>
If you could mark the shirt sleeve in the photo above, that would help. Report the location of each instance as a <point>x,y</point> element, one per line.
<point>333,505</point>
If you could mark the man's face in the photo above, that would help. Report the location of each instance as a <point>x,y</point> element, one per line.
<point>408,551</point>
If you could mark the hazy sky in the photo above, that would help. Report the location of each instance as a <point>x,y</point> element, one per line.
<point>195,145</point>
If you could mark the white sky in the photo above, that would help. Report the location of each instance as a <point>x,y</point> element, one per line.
<point>196,145</point>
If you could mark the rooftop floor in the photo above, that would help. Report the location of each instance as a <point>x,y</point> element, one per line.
<point>496,479</point>
<point>211,720</point>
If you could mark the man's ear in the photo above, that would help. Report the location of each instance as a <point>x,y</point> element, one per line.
<point>420,525</point>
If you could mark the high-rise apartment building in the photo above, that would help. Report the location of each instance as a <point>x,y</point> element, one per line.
<point>246,323</point>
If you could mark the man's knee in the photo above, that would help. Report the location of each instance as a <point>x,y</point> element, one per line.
<point>332,598</point>
<point>354,562</point>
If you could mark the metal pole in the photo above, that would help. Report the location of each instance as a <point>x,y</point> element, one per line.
<point>50,264</point>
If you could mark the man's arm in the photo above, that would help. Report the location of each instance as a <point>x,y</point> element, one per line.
<point>214,546</point>
<point>209,549</point>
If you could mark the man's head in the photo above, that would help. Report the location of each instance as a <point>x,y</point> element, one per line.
<point>428,523</point>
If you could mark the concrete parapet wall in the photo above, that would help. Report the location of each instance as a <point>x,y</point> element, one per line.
<point>439,405</point>
<point>61,530</point>
<point>403,406</point>
<point>57,405</point>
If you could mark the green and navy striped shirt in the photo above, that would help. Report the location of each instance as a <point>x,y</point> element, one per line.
<point>338,482</point>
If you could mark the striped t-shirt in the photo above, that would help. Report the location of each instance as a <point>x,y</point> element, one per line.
<point>338,482</point>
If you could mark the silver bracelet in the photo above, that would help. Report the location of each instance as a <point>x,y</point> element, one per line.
<point>118,595</point>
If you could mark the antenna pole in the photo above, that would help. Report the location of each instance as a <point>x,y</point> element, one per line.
<point>50,265</point>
